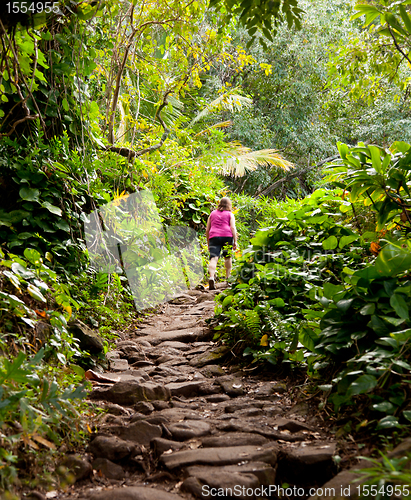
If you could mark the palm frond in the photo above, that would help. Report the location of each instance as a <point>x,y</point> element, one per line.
<point>225,124</point>
<point>239,159</point>
<point>229,101</point>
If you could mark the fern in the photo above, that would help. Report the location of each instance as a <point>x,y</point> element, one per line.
<point>252,322</point>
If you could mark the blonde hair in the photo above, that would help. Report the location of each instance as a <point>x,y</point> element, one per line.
<point>225,204</point>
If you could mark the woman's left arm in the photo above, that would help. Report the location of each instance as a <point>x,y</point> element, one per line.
<point>208,231</point>
<point>233,230</point>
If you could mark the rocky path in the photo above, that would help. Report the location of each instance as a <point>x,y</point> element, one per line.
<point>180,424</point>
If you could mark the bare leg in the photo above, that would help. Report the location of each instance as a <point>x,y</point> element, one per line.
<point>228,266</point>
<point>212,266</point>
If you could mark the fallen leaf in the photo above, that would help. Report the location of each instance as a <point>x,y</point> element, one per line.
<point>44,442</point>
<point>97,377</point>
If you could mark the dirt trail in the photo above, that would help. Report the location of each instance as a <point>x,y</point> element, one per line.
<point>180,424</point>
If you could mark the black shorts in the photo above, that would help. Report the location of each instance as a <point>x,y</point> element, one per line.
<point>218,243</point>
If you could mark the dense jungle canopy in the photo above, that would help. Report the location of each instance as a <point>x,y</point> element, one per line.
<point>299,111</point>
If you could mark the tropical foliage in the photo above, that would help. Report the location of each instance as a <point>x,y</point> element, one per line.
<point>196,100</point>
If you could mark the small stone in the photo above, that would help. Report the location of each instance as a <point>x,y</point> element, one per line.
<point>251,412</point>
<point>108,468</point>
<point>217,398</point>
<point>142,364</point>
<point>116,409</point>
<point>268,389</point>
<point>113,355</point>
<point>144,407</point>
<point>188,335</point>
<point>111,447</point>
<point>212,356</point>
<point>234,439</point>
<point>291,425</point>
<point>80,467</point>
<point>175,345</point>
<point>118,365</point>
<point>165,358</point>
<point>189,429</point>
<point>231,385</point>
<point>161,445</point>
<point>236,407</point>
<point>191,388</point>
<point>273,411</point>
<point>140,432</point>
<point>160,405</point>
<point>157,420</point>
<point>178,414</point>
<point>137,416</point>
<point>212,371</point>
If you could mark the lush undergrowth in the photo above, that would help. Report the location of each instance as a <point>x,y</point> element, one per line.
<point>327,288</point>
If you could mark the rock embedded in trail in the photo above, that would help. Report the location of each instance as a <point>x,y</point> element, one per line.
<point>189,335</point>
<point>234,439</point>
<point>189,429</point>
<point>144,407</point>
<point>308,462</point>
<point>111,447</point>
<point>211,356</point>
<point>231,385</point>
<point>80,467</point>
<point>161,445</point>
<point>133,493</point>
<point>175,345</point>
<point>212,371</point>
<point>118,365</point>
<point>203,481</point>
<point>269,389</point>
<point>192,388</point>
<point>130,392</point>
<point>109,469</point>
<point>264,472</point>
<point>140,432</point>
<point>89,339</point>
<point>221,456</point>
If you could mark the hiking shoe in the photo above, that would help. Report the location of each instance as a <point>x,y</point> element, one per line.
<point>211,284</point>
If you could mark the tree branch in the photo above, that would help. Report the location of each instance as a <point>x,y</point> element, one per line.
<point>129,153</point>
<point>397,46</point>
<point>292,175</point>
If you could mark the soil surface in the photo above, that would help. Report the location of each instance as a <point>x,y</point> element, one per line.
<point>182,422</point>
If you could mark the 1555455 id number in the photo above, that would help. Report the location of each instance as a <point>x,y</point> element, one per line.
<point>32,7</point>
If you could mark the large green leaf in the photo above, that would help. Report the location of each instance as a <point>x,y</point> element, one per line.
<point>330,243</point>
<point>35,293</point>
<point>393,260</point>
<point>400,305</point>
<point>308,338</point>
<point>29,194</point>
<point>362,384</point>
<point>346,240</point>
<point>52,208</point>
